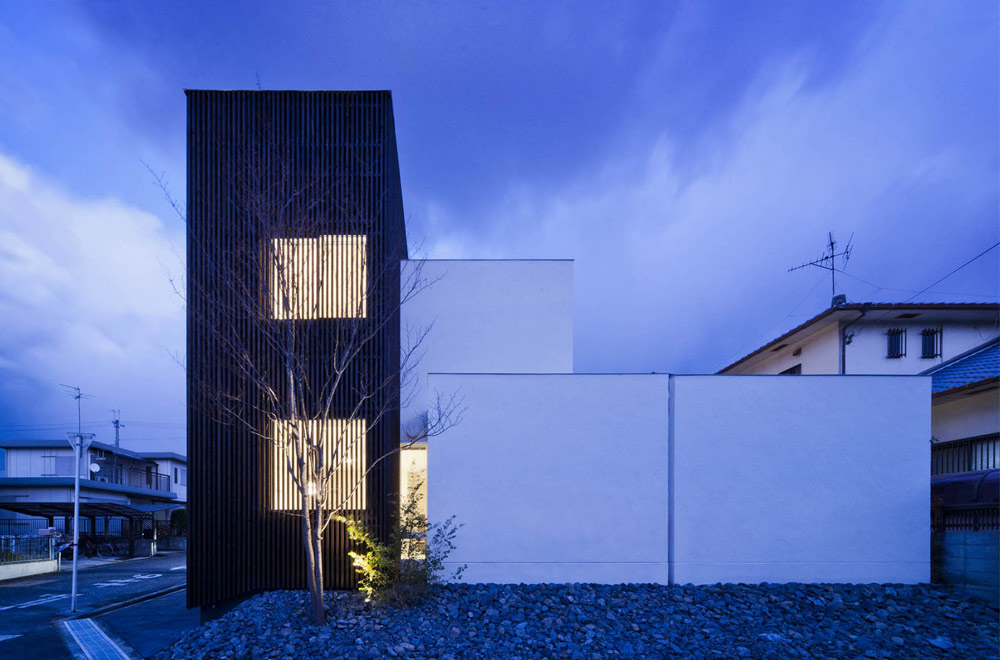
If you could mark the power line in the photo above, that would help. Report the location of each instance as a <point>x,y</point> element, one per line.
<point>888,288</point>
<point>953,272</point>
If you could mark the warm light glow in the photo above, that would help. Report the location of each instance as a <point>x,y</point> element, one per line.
<point>319,278</point>
<point>343,445</point>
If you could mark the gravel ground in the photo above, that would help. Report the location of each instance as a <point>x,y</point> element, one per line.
<point>599,621</point>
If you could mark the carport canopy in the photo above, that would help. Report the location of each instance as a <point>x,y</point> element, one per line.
<point>87,509</point>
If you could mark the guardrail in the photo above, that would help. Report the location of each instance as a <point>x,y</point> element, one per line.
<point>17,549</point>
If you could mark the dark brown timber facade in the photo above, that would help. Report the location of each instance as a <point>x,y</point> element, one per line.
<point>326,164</point>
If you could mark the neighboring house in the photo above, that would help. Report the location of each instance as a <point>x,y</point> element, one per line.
<point>37,482</point>
<point>965,417</point>
<point>175,467</point>
<point>875,338</point>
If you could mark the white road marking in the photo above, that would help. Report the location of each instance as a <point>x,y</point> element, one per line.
<point>138,577</point>
<point>4,638</point>
<point>47,598</point>
<point>179,568</point>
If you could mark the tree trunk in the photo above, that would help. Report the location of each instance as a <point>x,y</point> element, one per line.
<point>319,611</point>
<point>312,561</point>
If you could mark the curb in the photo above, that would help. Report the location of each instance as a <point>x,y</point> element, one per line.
<point>125,603</point>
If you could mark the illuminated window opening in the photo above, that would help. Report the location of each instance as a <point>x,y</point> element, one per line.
<point>346,438</point>
<point>319,278</point>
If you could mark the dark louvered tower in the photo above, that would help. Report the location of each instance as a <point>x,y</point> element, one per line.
<point>323,165</point>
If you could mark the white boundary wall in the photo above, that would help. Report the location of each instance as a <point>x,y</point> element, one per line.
<point>557,478</point>
<point>801,479</point>
<point>488,316</point>
<point>567,478</point>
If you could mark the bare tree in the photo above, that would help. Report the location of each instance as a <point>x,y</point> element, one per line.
<point>296,308</point>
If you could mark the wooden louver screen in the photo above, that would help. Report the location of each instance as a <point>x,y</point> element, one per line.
<point>319,278</point>
<point>343,443</point>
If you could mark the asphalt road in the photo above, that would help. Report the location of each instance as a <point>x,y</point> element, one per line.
<point>30,608</point>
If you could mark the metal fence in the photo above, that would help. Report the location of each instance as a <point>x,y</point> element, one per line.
<point>21,526</point>
<point>16,549</point>
<point>966,455</point>
<point>966,518</point>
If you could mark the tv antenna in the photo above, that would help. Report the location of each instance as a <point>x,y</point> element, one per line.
<point>75,392</point>
<point>829,261</point>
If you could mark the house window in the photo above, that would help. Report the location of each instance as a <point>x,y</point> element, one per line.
<point>896,343</point>
<point>319,278</point>
<point>3,462</point>
<point>176,476</point>
<point>343,461</point>
<point>930,343</point>
<point>793,371</point>
<point>184,477</point>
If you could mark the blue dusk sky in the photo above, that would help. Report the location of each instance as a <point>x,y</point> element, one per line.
<point>685,154</point>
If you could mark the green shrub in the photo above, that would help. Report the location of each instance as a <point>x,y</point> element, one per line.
<point>399,571</point>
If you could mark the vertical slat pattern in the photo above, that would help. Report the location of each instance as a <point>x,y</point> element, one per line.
<point>239,544</point>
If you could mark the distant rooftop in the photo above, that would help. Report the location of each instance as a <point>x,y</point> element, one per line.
<point>165,455</point>
<point>64,444</point>
<point>976,366</point>
<point>850,310</point>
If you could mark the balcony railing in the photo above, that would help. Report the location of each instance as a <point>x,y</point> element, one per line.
<point>134,477</point>
<point>966,455</point>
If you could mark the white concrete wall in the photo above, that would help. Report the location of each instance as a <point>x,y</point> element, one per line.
<point>489,317</point>
<point>967,417</point>
<point>26,568</point>
<point>556,478</point>
<point>565,478</point>
<point>810,479</point>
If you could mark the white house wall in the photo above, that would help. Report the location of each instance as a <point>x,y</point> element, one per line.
<point>556,478</point>
<point>967,417</point>
<point>810,479</point>
<point>488,317</point>
<point>866,354</point>
<point>567,478</point>
<point>820,354</point>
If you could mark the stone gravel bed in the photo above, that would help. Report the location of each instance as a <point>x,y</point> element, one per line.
<point>584,621</point>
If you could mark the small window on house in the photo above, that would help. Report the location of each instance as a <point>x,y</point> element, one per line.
<point>3,462</point>
<point>930,343</point>
<point>793,371</point>
<point>184,477</point>
<point>895,343</point>
<point>176,476</point>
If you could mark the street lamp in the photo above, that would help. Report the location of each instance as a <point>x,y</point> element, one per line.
<point>80,442</point>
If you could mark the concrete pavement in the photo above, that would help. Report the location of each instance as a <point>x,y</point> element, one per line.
<point>31,608</point>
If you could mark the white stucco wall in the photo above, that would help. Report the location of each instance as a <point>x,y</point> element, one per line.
<point>820,354</point>
<point>967,417</point>
<point>567,478</point>
<point>866,354</point>
<point>809,479</point>
<point>511,316</point>
<point>555,478</point>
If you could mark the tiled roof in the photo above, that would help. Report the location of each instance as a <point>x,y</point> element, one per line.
<point>979,364</point>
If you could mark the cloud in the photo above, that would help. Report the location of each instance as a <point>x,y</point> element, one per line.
<point>682,272</point>
<point>86,301</point>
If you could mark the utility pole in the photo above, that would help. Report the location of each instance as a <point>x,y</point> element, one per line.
<point>80,441</point>
<point>118,425</point>
<point>828,261</point>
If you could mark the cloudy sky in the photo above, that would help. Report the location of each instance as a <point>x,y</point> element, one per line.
<point>684,154</point>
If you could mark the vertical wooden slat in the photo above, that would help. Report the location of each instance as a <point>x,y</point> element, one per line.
<point>239,546</point>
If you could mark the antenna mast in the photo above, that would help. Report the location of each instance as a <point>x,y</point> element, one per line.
<point>829,261</point>
<point>117,422</point>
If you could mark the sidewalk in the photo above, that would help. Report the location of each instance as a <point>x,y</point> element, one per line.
<point>150,626</point>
